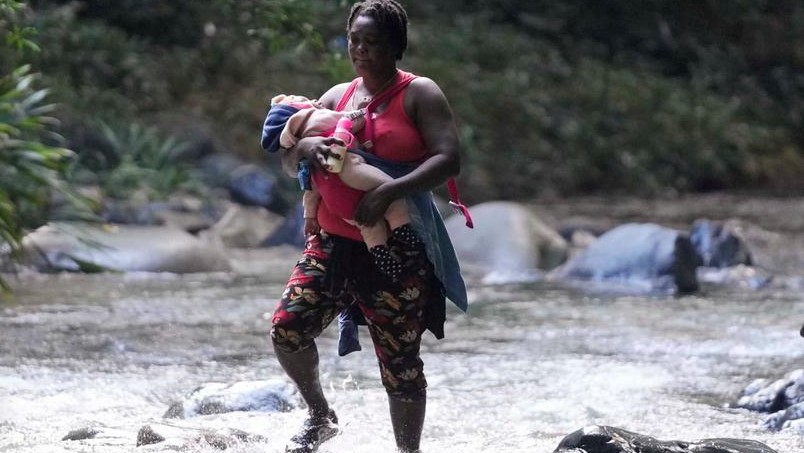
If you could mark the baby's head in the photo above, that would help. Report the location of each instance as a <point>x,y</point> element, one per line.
<point>292,99</point>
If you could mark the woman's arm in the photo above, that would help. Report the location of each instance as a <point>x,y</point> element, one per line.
<point>430,111</point>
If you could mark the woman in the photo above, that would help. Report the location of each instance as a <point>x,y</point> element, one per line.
<point>413,125</point>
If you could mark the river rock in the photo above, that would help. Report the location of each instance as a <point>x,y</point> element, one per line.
<point>783,398</point>
<point>244,226</point>
<point>186,212</point>
<point>640,254</point>
<point>218,398</point>
<point>147,436</point>
<point>85,247</point>
<point>81,434</point>
<point>719,244</point>
<point>508,242</point>
<point>251,185</point>
<point>174,437</point>
<point>608,439</point>
<point>290,231</point>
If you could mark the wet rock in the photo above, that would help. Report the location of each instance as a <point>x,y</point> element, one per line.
<point>217,441</point>
<point>128,212</point>
<point>222,440</point>
<point>252,186</point>
<point>147,436</point>
<point>638,254</point>
<point>244,226</point>
<point>217,168</point>
<point>508,243</point>
<point>290,231</point>
<point>186,212</point>
<point>783,398</point>
<point>608,439</point>
<point>81,434</point>
<point>791,417</point>
<point>719,244</point>
<point>218,398</point>
<point>83,247</point>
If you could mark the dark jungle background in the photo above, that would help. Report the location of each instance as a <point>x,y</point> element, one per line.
<point>553,99</point>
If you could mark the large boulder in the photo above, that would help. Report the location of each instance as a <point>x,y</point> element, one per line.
<point>85,247</point>
<point>244,226</point>
<point>508,242</point>
<point>247,183</point>
<point>643,255</point>
<point>219,398</point>
<point>719,244</point>
<point>608,439</point>
<point>251,185</point>
<point>782,398</point>
<point>290,230</point>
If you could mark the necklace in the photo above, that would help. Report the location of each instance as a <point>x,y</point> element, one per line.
<point>366,99</point>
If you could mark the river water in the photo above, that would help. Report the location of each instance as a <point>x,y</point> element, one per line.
<point>525,366</point>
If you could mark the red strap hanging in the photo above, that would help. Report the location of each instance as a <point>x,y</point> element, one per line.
<point>456,204</point>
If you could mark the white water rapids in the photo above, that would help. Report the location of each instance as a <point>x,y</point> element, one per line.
<point>526,366</point>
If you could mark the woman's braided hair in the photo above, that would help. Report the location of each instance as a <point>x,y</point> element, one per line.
<point>391,19</point>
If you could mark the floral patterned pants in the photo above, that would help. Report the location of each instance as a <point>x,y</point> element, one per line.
<point>336,273</point>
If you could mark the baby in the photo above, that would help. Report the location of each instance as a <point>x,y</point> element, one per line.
<point>314,120</point>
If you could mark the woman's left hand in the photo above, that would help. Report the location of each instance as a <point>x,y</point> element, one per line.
<point>373,205</point>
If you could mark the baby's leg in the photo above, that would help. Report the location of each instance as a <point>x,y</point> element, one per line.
<point>376,238</point>
<point>374,235</point>
<point>359,175</point>
<point>397,214</point>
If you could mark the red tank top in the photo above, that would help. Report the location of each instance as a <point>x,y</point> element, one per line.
<point>394,138</point>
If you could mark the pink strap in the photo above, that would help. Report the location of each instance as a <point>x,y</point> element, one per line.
<point>368,131</point>
<point>348,94</point>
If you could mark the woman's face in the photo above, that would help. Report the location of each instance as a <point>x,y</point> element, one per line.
<point>369,48</point>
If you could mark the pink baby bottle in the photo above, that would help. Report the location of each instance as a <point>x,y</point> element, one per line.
<point>343,131</point>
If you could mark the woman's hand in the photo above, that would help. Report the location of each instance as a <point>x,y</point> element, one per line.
<point>374,203</point>
<point>316,150</point>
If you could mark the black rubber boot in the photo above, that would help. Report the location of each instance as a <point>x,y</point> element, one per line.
<point>407,419</point>
<point>313,433</point>
<point>302,368</point>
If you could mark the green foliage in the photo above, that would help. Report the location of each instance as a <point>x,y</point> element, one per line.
<point>29,169</point>
<point>32,165</point>
<point>585,97</point>
<point>14,38</point>
<point>95,67</point>
<point>139,162</point>
<point>578,96</point>
<point>217,61</point>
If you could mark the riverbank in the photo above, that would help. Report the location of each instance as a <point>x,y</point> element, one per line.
<point>773,226</point>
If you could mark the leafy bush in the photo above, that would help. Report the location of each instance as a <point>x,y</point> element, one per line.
<point>575,96</point>
<point>137,161</point>
<point>542,116</point>
<point>29,169</point>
